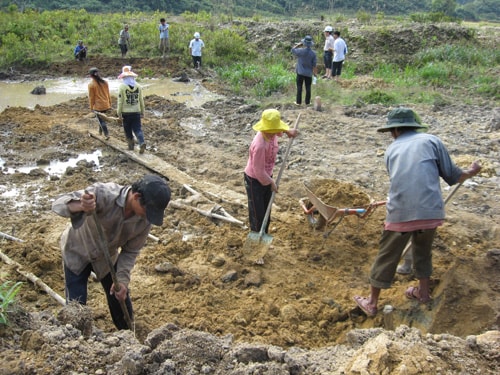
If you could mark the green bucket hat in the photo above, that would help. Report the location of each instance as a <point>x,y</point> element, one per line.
<point>401,118</point>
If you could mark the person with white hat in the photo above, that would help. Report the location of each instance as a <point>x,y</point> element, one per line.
<point>195,47</point>
<point>131,108</point>
<point>258,176</point>
<point>415,162</point>
<point>328,52</point>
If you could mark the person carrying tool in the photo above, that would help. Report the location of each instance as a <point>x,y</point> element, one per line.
<point>259,183</point>
<point>124,215</point>
<point>415,208</point>
<point>80,51</point>
<point>99,99</point>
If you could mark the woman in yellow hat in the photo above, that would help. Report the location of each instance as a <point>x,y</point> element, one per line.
<point>259,183</point>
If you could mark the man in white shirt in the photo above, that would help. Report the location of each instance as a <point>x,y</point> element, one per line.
<point>195,46</point>
<point>339,52</point>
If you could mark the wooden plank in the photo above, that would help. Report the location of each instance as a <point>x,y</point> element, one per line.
<point>170,172</point>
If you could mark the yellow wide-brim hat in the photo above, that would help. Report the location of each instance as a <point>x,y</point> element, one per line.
<point>271,122</point>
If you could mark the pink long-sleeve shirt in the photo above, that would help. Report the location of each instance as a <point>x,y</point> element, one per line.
<point>262,158</point>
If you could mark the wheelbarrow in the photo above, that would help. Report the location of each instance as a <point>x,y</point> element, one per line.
<point>347,200</point>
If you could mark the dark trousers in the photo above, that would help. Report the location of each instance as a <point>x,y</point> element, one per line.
<point>196,61</point>
<point>337,68</point>
<point>259,197</point>
<point>132,125</point>
<point>103,127</point>
<point>81,55</point>
<point>307,82</point>
<point>76,290</point>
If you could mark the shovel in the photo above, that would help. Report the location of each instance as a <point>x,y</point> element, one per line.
<point>105,250</point>
<point>261,236</point>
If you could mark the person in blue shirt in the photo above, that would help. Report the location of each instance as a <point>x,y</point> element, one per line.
<point>80,51</point>
<point>163,29</point>
<point>305,68</point>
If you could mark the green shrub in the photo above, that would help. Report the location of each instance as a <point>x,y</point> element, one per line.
<point>378,97</point>
<point>363,16</point>
<point>8,292</point>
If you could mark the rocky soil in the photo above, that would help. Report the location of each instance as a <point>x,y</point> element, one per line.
<point>201,303</point>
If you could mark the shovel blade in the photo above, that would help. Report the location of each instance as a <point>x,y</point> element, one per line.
<point>256,246</point>
<point>257,238</point>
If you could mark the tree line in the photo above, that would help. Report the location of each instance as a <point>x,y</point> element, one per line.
<point>472,10</point>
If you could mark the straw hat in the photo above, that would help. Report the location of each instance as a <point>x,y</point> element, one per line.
<point>127,72</point>
<point>270,122</point>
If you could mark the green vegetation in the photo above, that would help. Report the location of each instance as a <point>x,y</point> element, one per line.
<point>457,67</point>
<point>8,292</point>
<point>471,10</point>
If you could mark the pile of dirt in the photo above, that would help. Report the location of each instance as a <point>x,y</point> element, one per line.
<point>217,312</point>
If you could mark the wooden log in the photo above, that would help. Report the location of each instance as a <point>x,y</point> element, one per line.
<point>9,237</point>
<point>209,214</point>
<point>34,279</point>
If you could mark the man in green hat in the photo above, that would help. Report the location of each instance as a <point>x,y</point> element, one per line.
<point>415,207</point>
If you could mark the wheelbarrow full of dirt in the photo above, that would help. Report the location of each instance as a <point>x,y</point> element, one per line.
<point>329,201</point>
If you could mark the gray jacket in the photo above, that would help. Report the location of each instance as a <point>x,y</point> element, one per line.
<point>80,242</point>
<point>415,161</point>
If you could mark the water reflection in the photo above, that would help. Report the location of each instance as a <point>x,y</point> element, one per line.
<point>60,90</point>
<point>55,167</point>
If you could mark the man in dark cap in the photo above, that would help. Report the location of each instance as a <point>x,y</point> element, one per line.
<point>415,208</point>
<point>126,214</point>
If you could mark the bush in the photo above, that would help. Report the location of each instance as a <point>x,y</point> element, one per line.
<point>8,292</point>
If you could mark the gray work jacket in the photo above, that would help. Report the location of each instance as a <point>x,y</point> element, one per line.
<point>80,242</point>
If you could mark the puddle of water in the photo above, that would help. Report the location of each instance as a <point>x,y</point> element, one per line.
<point>63,89</point>
<point>55,167</point>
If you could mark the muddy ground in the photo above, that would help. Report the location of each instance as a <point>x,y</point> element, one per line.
<point>201,304</point>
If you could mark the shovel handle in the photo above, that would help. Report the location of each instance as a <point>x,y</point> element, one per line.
<point>285,158</point>
<point>105,249</point>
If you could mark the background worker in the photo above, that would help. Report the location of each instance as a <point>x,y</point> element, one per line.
<point>328,52</point>
<point>80,51</point>
<point>195,48</point>
<point>124,41</point>
<point>126,214</point>
<point>99,99</point>
<point>339,52</point>
<point>415,208</point>
<point>305,68</point>
<point>164,41</point>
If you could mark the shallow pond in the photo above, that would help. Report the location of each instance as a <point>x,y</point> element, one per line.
<point>18,94</point>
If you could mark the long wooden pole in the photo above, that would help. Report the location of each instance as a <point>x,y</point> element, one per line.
<point>31,277</point>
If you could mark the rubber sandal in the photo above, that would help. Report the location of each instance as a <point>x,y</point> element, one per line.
<point>362,303</point>
<point>413,292</point>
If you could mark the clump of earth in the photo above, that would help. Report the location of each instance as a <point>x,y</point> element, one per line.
<point>201,304</point>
